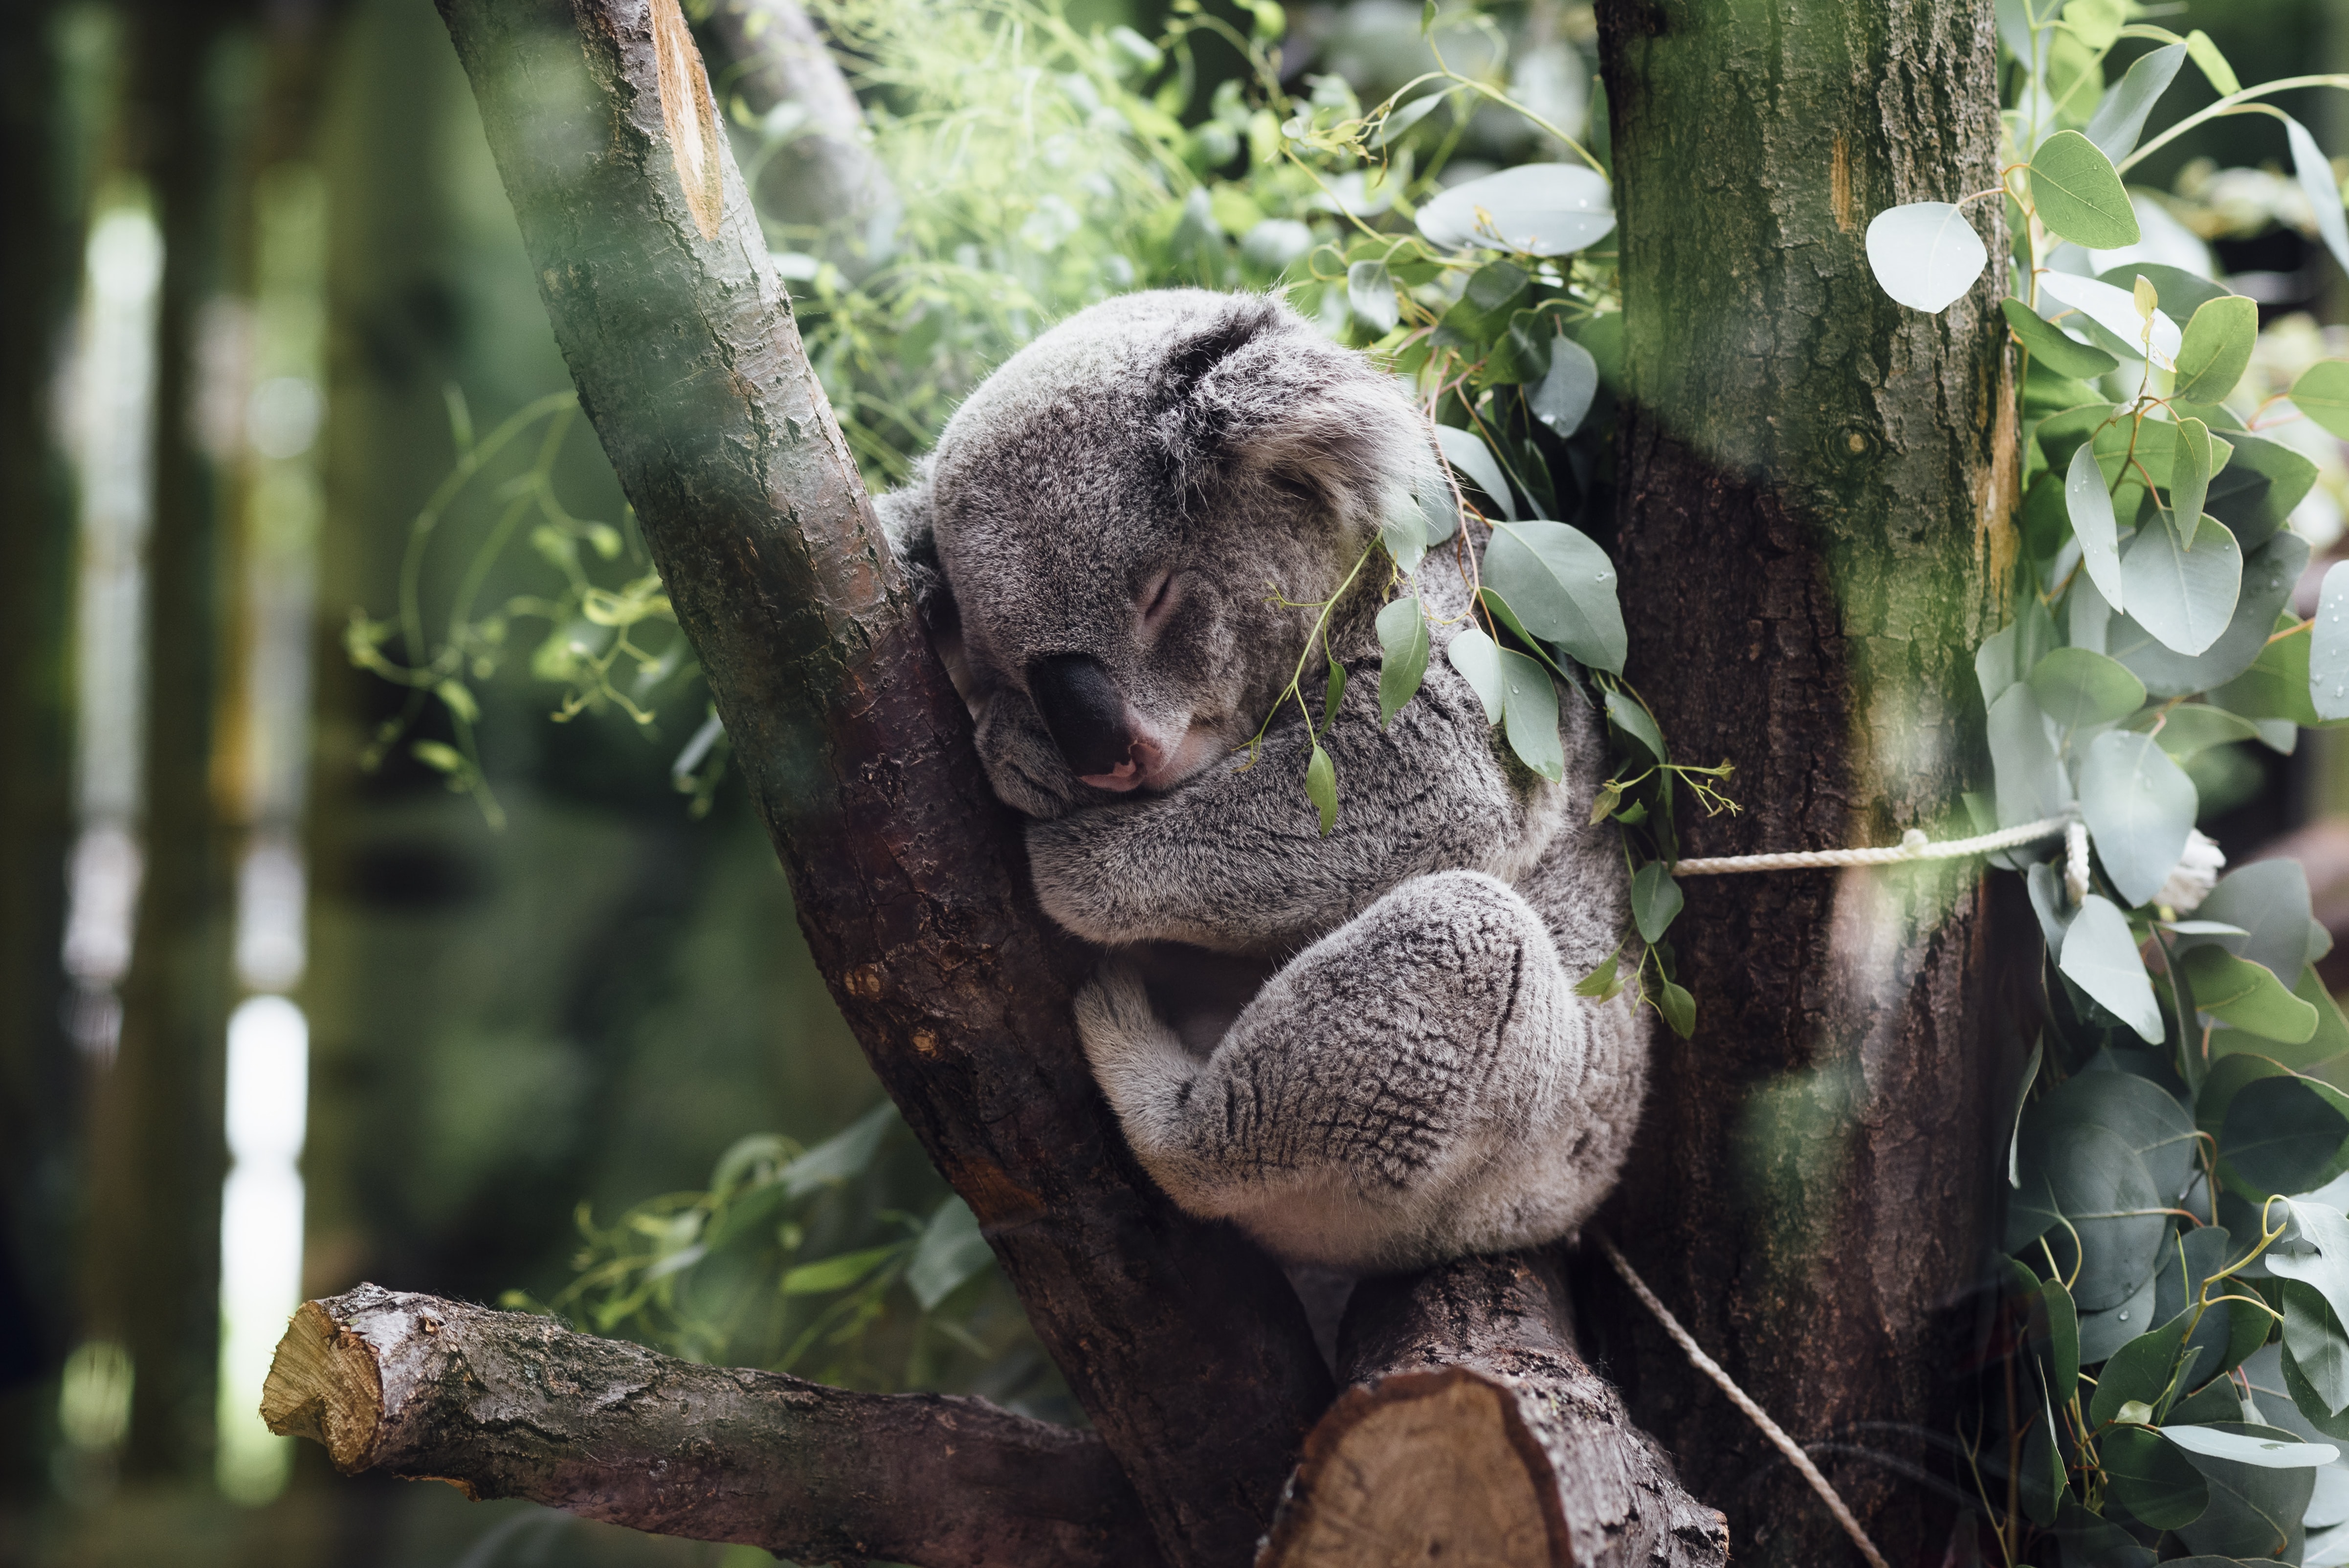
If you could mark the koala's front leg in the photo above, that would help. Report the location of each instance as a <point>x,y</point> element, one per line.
<point>1235,861</point>
<point>1419,1084</point>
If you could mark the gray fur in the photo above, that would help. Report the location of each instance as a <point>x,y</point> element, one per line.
<point>1414,1079</point>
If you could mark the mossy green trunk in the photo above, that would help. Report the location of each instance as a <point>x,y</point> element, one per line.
<point>1814,535</point>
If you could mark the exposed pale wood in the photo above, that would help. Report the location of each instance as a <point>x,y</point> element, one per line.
<point>504,1404</point>
<point>1474,1433</point>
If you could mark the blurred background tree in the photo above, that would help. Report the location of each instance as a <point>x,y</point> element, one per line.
<point>440,992</point>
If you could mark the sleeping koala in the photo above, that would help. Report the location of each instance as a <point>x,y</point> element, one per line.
<point>1365,1049</point>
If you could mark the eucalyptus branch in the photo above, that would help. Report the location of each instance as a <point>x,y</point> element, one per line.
<point>2232,103</point>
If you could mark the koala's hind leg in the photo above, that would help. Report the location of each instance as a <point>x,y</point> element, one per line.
<point>1403,1090</point>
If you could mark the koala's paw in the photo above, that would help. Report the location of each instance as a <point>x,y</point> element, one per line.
<point>1134,1052</point>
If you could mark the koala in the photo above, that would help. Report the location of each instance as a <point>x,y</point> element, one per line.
<point>1364,1049</point>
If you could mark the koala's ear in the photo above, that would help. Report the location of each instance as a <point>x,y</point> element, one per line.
<point>1259,395</point>
<point>905,517</point>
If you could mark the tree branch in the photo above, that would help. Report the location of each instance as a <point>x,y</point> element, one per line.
<point>1475,1433</point>
<point>826,176</point>
<point>1185,1345</point>
<point>503,1404</point>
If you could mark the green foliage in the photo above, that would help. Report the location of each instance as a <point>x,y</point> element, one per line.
<point>2181,1259</point>
<point>804,1260</point>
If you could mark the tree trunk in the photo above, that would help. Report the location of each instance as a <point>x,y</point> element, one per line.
<point>1187,1347</point>
<point>156,1143</point>
<point>1816,486</point>
<point>1474,1433</point>
<point>503,1404</point>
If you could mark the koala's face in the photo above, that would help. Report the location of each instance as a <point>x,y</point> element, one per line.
<point>1114,509</point>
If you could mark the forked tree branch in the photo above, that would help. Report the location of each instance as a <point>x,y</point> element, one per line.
<point>502,1404</point>
<point>1186,1347</point>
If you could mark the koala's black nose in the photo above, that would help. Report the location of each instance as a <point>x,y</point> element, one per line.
<point>1084,709</point>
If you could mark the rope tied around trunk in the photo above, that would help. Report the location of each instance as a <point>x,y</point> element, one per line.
<point>1913,846</point>
<point>1738,1397</point>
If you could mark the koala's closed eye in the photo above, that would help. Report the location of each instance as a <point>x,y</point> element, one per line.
<point>1158,597</point>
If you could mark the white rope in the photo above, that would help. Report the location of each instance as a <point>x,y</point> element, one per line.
<point>1913,846</point>
<point>1753,1412</point>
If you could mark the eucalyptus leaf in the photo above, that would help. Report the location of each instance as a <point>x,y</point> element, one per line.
<point>2318,1345</point>
<point>2032,784</point>
<point>2246,995</point>
<point>2100,957</point>
<point>1529,706</point>
<point>2323,394</point>
<point>1678,1007</point>
<point>2137,1372</point>
<point>844,1155</point>
<point>1562,399</point>
<point>1536,209</point>
<point>2139,1111</point>
<point>951,1251</point>
<point>2315,172</point>
<point>1403,530</point>
<point>1370,294</point>
<point>1466,451</point>
<point>2077,195</point>
<point>2328,647</point>
<point>2120,117</point>
<point>1926,255</point>
<point>2269,573</point>
<point>2140,807</point>
<point>1656,899</point>
<point>2108,314</point>
<point>1321,788</point>
<point>2321,1258</point>
<point>2102,1333</point>
<point>1402,654</point>
<point>2184,596</point>
<point>1561,586</point>
<point>1404,117</point>
<point>2251,1447</point>
<point>2189,731</point>
<point>2258,487</point>
<point>2190,465</point>
<point>2152,1479</point>
<point>839,1272</point>
<point>2090,504</point>
<point>2051,346</point>
<point>2214,67</point>
<point>2182,292</point>
<point>2269,901</point>
<point>2254,1510</point>
<point>2083,690</point>
<point>2280,1137</point>
<point>2216,348</point>
<point>1635,721</point>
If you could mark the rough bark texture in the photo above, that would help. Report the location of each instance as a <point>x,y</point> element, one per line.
<point>1814,532</point>
<point>1187,1347</point>
<point>825,178</point>
<point>503,1404</point>
<point>1474,1433</point>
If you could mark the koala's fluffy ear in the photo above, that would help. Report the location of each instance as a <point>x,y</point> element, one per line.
<point>907,519</point>
<point>1259,396</point>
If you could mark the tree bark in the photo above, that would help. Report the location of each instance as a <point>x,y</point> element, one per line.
<point>1815,493</point>
<point>503,1404</point>
<point>825,178</point>
<point>1186,1347</point>
<point>1473,1432</point>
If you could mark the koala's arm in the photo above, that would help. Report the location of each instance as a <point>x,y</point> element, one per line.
<point>1235,861</point>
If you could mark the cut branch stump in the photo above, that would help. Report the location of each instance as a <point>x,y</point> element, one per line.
<point>1471,1433</point>
<point>504,1404</point>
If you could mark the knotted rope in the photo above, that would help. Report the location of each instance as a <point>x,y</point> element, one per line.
<point>1913,846</point>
